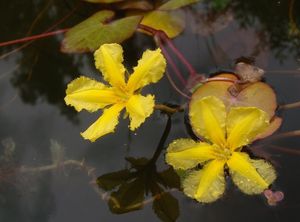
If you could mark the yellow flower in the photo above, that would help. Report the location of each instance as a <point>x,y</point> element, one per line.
<point>227,133</point>
<point>86,93</point>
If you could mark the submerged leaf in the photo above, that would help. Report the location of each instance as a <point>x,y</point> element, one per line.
<point>128,197</point>
<point>57,152</point>
<point>169,178</point>
<point>171,22</point>
<point>9,146</point>
<point>175,4</point>
<point>93,32</point>
<point>111,180</point>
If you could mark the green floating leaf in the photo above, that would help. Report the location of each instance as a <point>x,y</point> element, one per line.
<point>166,207</point>
<point>171,22</point>
<point>135,4</point>
<point>111,180</point>
<point>175,4</point>
<point>103,1</point>
<point>90,34</point>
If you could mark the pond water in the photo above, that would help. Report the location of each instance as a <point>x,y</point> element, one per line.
<point>51,174</point>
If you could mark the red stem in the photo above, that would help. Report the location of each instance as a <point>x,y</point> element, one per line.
<point>34,37</point>
<point>171,62</point>
<point>163,36</point>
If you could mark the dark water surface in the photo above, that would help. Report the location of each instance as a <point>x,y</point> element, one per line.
<point>35,120</point>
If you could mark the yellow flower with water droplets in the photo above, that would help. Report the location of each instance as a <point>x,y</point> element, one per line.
<point>86,93</point>
<point>226,133</point>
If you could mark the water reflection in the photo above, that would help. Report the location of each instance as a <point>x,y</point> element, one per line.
<point>130,186</point>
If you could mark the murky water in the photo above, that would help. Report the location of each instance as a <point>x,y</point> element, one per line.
<point>36,186</point>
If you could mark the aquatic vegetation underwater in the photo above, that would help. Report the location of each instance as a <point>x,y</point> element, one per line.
<point>191,121</point>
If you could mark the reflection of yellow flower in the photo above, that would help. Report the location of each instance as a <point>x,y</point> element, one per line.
<point>228,133</point>
<point>85,93</point>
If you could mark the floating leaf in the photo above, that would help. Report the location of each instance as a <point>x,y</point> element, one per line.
<point>171,22</point>
<point>274,125</point>
<point>257,94</point>
<point>91,33</point>
<point>175,4</point>
<point>111,180</point>
<point>135,4</point>
<point>103,1</point>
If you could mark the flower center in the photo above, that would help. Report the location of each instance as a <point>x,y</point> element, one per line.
<point>123,94</point>
<point>223,153</point>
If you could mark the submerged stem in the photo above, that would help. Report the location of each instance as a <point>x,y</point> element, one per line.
<point>290,105</point>
<point>168,109</point>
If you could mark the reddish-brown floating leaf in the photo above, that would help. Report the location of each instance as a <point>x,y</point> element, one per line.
<point>274,125</point>
<point>257,94</point>
<point>218,89</point>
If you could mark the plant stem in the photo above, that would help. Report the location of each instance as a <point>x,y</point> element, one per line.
<point>167,109</point>
<point>162,141</point>
<point>171,62</point>
<point>290,105</point>
<point>163,36</point>
<point>33,37</point>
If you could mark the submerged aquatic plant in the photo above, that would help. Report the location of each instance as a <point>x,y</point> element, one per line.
<point>226,134</point>
<point>86,93</point>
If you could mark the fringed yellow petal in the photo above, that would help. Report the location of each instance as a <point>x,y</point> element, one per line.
<point>208,184</point>
<point>85,93</point>
<point>150,69</point>
<point>108,59</point>
<point>105,124</point>
<point>251,176</point>
<point>207,117</point>
<point>186,153</point>
<point>139,108</point>
<point>244,124</point>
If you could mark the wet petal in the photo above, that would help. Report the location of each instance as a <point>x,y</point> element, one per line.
<point>108,59</point>
<point>186,153</point>
<point>86,93</point>
<point>139,108</point>
<point>105,124</point>
<point>251,176</point>
<point>208,184</point>
<point>207,118</point>
<point>150,69</point>
<point>244,124</point>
